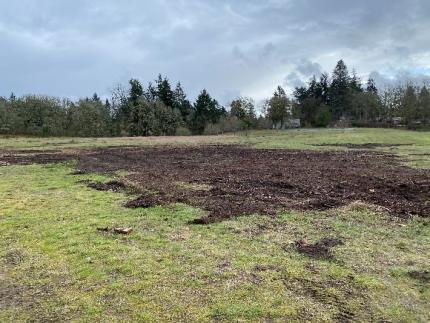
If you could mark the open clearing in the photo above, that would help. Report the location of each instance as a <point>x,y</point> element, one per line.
<point>231,181</point>
<point>335,228</point>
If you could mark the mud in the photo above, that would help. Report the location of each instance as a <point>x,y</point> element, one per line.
<point>243,181</point>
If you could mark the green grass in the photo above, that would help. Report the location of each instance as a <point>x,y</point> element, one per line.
<point>56,266</point>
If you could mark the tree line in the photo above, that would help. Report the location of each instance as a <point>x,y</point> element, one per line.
<point>326,100</point>
<point>161,109</point>
<point>156,110</point>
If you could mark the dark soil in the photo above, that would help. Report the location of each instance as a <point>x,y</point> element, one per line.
<point>147,201</point>
<point>421,275</point>
<point>26,157</point>
<point>115,186</point>
<point>242,181</point>
<point>362,146</point>
<point>319,250</point>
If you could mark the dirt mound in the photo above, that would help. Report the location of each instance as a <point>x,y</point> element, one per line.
<point>243,181</point>
<point>145,201</point>
<point>114,186</point>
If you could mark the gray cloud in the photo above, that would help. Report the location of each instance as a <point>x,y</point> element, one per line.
<point>303,71</point>
<point>294,80</point>
<point>74,48</point>
<point>308,68</point>
<point>401,77</point>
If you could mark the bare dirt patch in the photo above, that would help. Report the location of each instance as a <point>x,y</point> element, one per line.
<point>242,181</point>
<point>318,250</point>
<point>421,275</point>
<point>148,200</point>
<point>14,257</point>
<point>350,303</point>
<point>115,186</point>
<point>26,157</point>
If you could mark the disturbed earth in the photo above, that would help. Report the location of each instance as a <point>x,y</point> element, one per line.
<point>228,181</point>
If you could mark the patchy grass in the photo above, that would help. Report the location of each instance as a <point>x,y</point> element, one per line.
<point>414,145</point>
<point>49,143</point>
<point>55,265</point>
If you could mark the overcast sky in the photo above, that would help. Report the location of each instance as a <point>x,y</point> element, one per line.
<point>75,47</point>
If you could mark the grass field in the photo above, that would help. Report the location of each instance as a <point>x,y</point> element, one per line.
<point>56,266</point>
<point>414,146</point>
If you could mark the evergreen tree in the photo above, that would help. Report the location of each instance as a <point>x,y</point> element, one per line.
<point>136,91</point>
<point>152,93</point>
<point>300,94</point>
<point>324,88</point>
<point>279,92</point>
<point>312,100</point>
<point>308,110</point>
<point>340,91</point>
<point>108,105</point>
<point>371,87</point>
<point>313,88</point>
<point>355,83</point>
<point>95,98</point>
<point>132,112</point>
<point>164,91</point>
<point>206,110</point>
<point>181,102</point>
<point>409,105</point>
